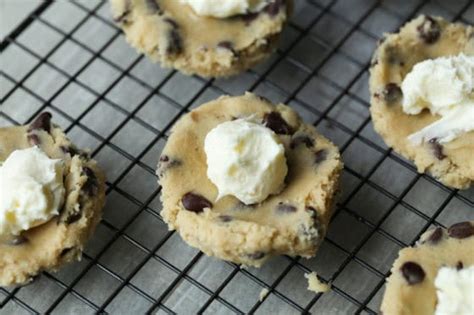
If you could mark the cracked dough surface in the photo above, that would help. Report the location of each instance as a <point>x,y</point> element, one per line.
<point>393,60</point>
<point>60,240</point>
<point>171,33</point>
<point>293,222</point>
<point>436,248</point>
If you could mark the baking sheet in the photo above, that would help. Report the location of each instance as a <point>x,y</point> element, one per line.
<point>73,62</point>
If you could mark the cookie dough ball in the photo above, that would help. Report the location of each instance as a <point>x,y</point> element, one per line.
<point>292,220</point>
<point>435,275</point>
<point>58,239</point>
<point>421,133</point>
<point>173,33</point>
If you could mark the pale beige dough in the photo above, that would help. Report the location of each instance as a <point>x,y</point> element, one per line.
<point>171,33</point>
<point>451,163</point>
<point>435,249</point>
<point>293,222</point>
<point>60,240</point>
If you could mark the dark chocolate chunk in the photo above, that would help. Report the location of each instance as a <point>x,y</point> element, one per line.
<point>307,141</point>
<point>437,149</point>
<point>273,8</point>
<point>17,241</point>
<point>42,122</point>
<point>195,203</point>
<point>285,208</point>
<point>320,156</point>
<point>459,265</point>
<point>392,93</point>
<point>436,236</point>
<point>153,6</point>
<point>91,186</point>
<point>429,30</point>
<point>225,218</point>
<point>412,272</point>
<point>275,122</point>
<point>175,42</point>
<point>256,255</point>
<point>33,139</point>
<point>461,230</point>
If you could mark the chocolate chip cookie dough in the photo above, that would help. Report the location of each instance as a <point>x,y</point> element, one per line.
<point>172,33</point>
<point>417,276</point>
<point>424,38</point>
<point>293,220</point>
<point>60,239</point>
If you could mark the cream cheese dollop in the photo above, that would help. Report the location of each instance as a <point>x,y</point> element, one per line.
<point>444,86</point>
<point>224,8</point>
<point>455,291</point>
<point>245,160</point>
<point>31,190</point>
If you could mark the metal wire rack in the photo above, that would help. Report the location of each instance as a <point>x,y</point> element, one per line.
<point>67,57</point>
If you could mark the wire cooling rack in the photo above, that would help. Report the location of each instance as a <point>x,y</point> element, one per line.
<point>67,57</point>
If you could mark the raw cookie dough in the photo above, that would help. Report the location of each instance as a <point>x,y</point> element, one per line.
<point>293,222</point>
<point>410,288</point>
<point>423,38</point>
<point>60,240</point>
<point>171,33</point>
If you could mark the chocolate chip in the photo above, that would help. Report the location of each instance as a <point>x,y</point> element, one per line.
<point>437,149</point>
<point>412,272</point>
<point>73,217</point>
<point>229,46</point>
<point>225,218</point>
<point>69,150</point>
<point>171,22</point>
<point>461,230</point>
<point>320,156</point>
<point>256,255</point>
<point>275,122</point>
<point>249,17</point>
<point>195,203</point>
<point>459,265</point>
<point>436,236</point>
<point>393,56</point>
<point>91,186</point>
<point>42,122</point>
<point>65,251</point>
<point>285,208</point>
<point>153,6</point>
<point>33,139</point>
<point>307,141</point>
<point>165,163</point>
<point>392,93</point>
<point>175,43</point>
<point>17,241</point>
<point>273,8</point>
<point>122,18</point>
<point>429,30</point>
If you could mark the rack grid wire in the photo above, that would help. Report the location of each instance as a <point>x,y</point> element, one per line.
<point>68,57</point>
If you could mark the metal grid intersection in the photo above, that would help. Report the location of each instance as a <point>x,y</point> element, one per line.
<point>133,263</point>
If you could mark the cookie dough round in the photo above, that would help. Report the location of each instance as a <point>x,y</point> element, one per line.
<point>60,240</point>
<point>171,33</point>
<point>410,288</point>
<point>293,222</point>
<point>423,38</point>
